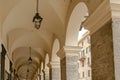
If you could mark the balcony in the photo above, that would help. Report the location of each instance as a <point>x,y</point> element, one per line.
<point>82,58</point>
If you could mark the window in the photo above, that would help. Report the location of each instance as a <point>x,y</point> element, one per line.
<point>88,61</point>
<point>83,74</point>
<point>88,73</point>
<point>82,63</point>
<point>88,39</point>
<point>82,53</point>
<point>82,44</point>
<point>88,49</point>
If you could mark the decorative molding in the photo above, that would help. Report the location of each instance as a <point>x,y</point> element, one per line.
<point>55,64</point>
<point>115,9</point>
<point>72,49</point>
<point>115,22</point>
<point>46,70</point>
<point>99,17</point>
<point>68,50</point>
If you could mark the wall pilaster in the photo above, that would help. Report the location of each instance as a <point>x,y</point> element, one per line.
<point>102,53</point>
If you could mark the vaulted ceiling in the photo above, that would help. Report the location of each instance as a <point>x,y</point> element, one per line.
<point>18,33</point>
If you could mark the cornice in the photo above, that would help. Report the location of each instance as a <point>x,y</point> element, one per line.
<point>99,17</point>
<point>68,50</point>
<point>115,9</point>
<point>55,64</point>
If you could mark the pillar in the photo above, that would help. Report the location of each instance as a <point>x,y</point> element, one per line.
<point>42,75</point>
<point>69,62</point>
<point>56,71</point>
<point>46,73</point>
<point>102,53</point>
<point>115,13</point>
<point>39,73</point>
<point>38,77</point>
<point>2,56</point>
<point>116,43</point>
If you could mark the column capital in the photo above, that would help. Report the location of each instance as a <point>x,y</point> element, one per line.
<point>116,20</point>
<point>115,23</point>
<point>46,70</point>
<point>68,50</point>
<point>55,64</point>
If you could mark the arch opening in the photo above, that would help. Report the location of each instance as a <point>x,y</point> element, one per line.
<point>78,16</point>
<point>77,34</point>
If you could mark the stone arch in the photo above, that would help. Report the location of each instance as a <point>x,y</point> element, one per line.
<point>77,16</point>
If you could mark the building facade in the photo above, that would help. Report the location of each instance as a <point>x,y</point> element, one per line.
<point>85,57</point>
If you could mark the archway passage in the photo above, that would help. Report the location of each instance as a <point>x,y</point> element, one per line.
<point>69,63</point>
<point>58,36</point>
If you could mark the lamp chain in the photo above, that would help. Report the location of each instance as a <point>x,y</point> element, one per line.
<point>37,6</point>
<point>30,51</point>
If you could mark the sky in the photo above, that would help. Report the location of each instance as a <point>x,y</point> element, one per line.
<point>83,31</point>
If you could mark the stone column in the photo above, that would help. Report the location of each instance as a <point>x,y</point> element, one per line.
<point>69,62</point>
<point>56,71</point>
<point>102,53</point>
<point>115,10</point>
<point>38,77</point>
<point>39,73</point>
<point>116,43</point>
<point>47,77</point>
<point>42,75</point>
